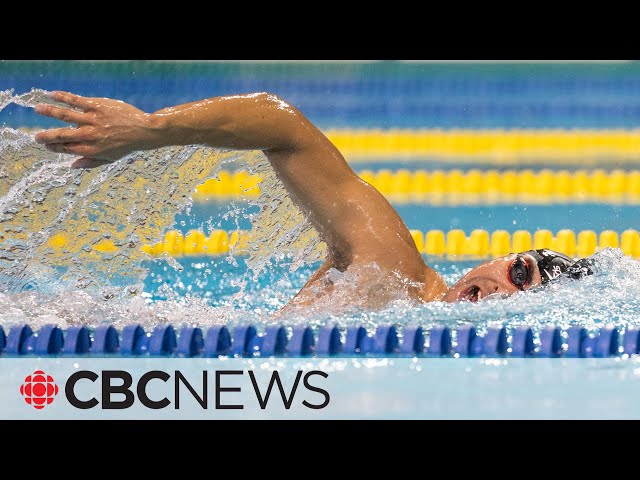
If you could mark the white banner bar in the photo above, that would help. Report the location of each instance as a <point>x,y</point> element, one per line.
<point>336,388</point>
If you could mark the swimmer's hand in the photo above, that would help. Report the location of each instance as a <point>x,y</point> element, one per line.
<point>106,129</point>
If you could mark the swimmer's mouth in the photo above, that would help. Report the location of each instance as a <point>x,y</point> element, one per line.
<point>471,294</point>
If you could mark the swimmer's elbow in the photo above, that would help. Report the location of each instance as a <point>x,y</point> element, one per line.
<point>273,102</point>
<point>279,116</point>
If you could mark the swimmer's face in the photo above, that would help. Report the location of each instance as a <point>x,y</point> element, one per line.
<point>500,277</point>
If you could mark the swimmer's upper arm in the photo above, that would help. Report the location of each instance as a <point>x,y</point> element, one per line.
<point>316,175</point>
<point>355,220</point>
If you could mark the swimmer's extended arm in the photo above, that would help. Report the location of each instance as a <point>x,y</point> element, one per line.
<point>355,221</point>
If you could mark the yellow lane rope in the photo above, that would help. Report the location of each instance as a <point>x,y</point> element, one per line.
<point>460,186</point>
<point>454,244</point>
<point>513,146</point>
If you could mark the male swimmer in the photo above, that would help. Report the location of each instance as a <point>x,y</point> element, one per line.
<point>357,223</point>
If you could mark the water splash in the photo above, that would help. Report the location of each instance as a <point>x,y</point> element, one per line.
<point>280,233</point>
<point>86,227</point>
<point>67,230</point>
<point>28,99</point>
<point>6,97</point>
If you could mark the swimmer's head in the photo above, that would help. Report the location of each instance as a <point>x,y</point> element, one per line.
<point>513,273</point>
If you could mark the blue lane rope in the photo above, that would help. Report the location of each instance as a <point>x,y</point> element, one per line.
<point>328,341</point>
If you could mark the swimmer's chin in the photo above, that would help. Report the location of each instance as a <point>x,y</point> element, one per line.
<point>470,294</point>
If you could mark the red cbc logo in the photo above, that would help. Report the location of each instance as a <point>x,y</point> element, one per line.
<point>39,389</point>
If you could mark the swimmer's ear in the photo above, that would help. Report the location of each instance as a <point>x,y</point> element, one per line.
<point>89,163</point>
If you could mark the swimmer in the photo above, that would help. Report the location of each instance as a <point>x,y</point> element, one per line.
<point>356,222</point>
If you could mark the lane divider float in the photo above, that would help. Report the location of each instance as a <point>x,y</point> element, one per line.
<point>328,341</point>
<point>482,244</point>
<point>454,244</point>
<point>501,146</point>
<point>535,186</point>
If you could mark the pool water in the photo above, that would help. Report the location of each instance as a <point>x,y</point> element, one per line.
<point>92,280</point>
<point>44,203</point>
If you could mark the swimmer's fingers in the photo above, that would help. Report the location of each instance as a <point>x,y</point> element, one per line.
<point>82,103</point>
<point>78,149</point>
<point>61,113</point>
<point>88,163</point>
<point>65,135</point>
<point>71,148</point>
<point>82,149</point>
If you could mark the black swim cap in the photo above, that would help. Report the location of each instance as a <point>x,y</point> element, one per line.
<point>554,264</point>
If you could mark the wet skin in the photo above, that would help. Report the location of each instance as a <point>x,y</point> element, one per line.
<point>492,279</point>
<point>356,222</point>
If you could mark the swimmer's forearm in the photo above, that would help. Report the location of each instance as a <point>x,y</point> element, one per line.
<point>109,129</point>
<point>258,121</point>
